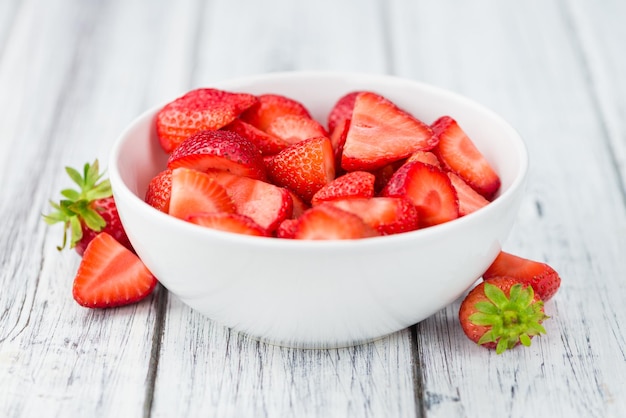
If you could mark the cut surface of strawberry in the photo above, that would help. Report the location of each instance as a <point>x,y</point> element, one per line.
<point>159,191</point>
<point>271,106</point>
<point>388,215</point>
<point>341,110</point>
<point>198,110</point>
<point>110,275</point>
<point>295,128</point>
<point>428,188</point>
<point>426,157</point>
<point>469,199</point>
<point>194,191</point>
<point>460,155</point>
<point>228,222</point>
<point>327,222</point>
<point>353,184</point>
<point>380,132</point>
<point>266,143</point>
<point>544,280</point>
<point>304,168</point>
<point>221,150</point>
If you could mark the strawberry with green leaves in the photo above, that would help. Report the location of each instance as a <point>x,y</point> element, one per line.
<point>88,211</point>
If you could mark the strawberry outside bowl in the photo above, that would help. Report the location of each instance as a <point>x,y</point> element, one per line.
<point>322,294</point>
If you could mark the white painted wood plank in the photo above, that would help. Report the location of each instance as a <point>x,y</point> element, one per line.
<point>526,65</point>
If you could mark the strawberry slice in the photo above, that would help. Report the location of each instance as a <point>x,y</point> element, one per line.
<point>299,205</point>
<point>287,229</point>
<point>295,128</point>
<point>228,222</point>
<point>110,275</point>
<point>198,110</point>
<point>266,143</point>
<point>342,110</point>
<point>428,188</point>
<point>338,140</point>
<point>159,191</point>
<point>459,154</point>
<point>269,107</point>
<point>194,191</point>
<point>265,203</point>
<point>221,150</point>
<point>380,133</point>
<point>544,280</point>
<point>425,157</point>
<point>304,168</point>
<point>388,215</point>
<point>353,184</point>
<point>469,199</point>
<point>326,222</point>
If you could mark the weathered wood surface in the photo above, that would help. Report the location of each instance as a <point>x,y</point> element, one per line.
<point>74,73</point>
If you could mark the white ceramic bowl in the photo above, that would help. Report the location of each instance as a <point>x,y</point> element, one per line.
<point>316,294</point>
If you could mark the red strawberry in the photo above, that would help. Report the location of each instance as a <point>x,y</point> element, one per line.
<point>380,133</point>
<point>342,110</point>
<point>384,174</point>
<point>287,229</point>
<point>469,199</point>
<point>159,191</point>
<point>299,205</point>
<point>353,184</point>
<point>543,278</point>
<point>229,222</point>
<point>501,314</point>
<point>428,188</point>
<point>198,110</point>
<point>266,143</point>
<point>304,168</point>
<point>338,140</point>
<point>325,221</point>
<point>264,203</point>
<point>221,150</point>
<point>388,215</point>
<point>89,211</point>
<point>269,107</point>
<point>194,191</point>
<point>295,128</point>
<point>459,154</point>
<point>110,275</point>
<point>426,157</point>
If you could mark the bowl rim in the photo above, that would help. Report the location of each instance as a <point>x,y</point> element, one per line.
<point>121,189</point>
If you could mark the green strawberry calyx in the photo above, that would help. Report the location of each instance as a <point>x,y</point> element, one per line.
<point>512,320</point>
<point>76,208</point>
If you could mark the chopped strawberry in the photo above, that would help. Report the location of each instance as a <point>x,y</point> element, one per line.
<point>228,222</point>
<point>295,128</point>
<point>269,107</point>
<point>425,157</point>
<point>110,275</point>
<point>342,110</point>
<point>543,278</point>
<point>221,150</point>
<point>338,140</point>
<point>352,184</point>
<point>287,229</point>
<point>88,211</point>
<point>459,154</point>
<point>327,222</point>
<point>304,168</point>
<point>388,215</point>
<point>380,133</point>
<point>264,203</point>
<point>194,191</point>
<point>428,188</point>
<point>501,314</point>
<point>159,191</point>
<point>198,110</point>
<point>266,143</point>
<point>469,199</point>
<point>384,174</point>
<point>299,205</point>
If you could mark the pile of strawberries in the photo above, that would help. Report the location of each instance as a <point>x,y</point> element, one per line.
<point>261,165</point>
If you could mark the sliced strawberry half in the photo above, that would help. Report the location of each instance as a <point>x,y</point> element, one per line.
<point>110,275</point>
<point>353,184</point>
<point>544,280</point>
<point>327,222</point>
<point>338,140</point>
<point>266,143</point>
<point>266,204</point>
<point>194,191</point>
<point>342,110</point>
<point>295,128</point>
<point>221,150</point>
<point>425,157</point>
<point>388,215</point>
<point>198,110</point>
<point>380,133</point>
<point>160,190</point>
<point>287,229</point>
<point>269,107</point>
<point>228,222</point>
<point>469,199</point>
<point>304,168</point>
<point>428,188</point>
<point>459,154</point>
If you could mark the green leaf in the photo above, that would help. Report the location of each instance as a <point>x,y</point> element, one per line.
<point>486,307</point>
<point>495,294</point>
<point>70,194</point>
<point>75,176</point>
<point>525,340</point>
<point>76,231</point>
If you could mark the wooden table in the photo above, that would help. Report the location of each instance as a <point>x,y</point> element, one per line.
<point>74,73</point>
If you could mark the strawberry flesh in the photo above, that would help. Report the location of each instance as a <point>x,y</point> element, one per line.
<point>228,222</point>
<point>194,191</point>
<point>352,184</point>
<point>469,199</point>
<point>342,110</point>
<point>388,215</point>
<point>271,106</point>
<point>327,222</point>
<point>266,143</point>
<point>159,191</point>
<point>295,128</point>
